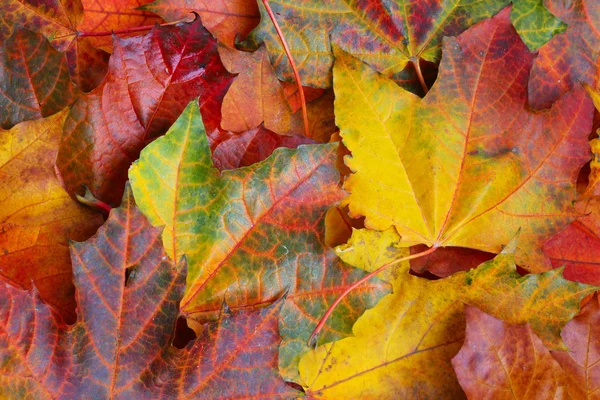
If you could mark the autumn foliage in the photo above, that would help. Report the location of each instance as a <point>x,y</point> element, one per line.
<point>179,213</point>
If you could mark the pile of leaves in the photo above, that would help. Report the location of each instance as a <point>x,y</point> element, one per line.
<point>177,213</point>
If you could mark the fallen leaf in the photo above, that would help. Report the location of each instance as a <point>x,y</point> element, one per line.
<point>580,362</point>
<point>225,19</point>
<point>570,57</point>
<point>339,226</point>
<point>34,80</point>
<point>535,23</point>
<point>57,19</point>
<point>576,247</point>
<point>463,167</point>
<point>447,260</point>
<point>250,235</point>
<point>37,217</point>
<point>109,15</point>
<point>506,361</point>
<point>385,34</point>
<point>151,79</point>
<point>403,346</point>
<point>256,96</point>
<point>233,150</point>
<point>120,348</point>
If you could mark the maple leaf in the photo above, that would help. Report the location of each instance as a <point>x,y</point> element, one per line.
<point>407,341</point>
<point>225,19</point>
<point>75,27</point>
<point>580,362</point>
<point>239,149</point>
<point>106,16</point>
<point>570,57</point>
<point>150,81</point>
<point>506,361</point>
<point>385,34</point>
<point>37,217</point>
<point>251,234</point>
<point>578,245</point>
<point>447,260</point>
<point>256,96</point>
<point>463,167</point>
<point>120,346</point>
<point>534,23</point>
<point>35,79</point>
<point>233,150</point>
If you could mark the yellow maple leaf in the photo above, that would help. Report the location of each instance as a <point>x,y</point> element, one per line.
<point>469,164</point>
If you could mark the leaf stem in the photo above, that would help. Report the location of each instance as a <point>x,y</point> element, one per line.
<point>313,337</point>
<point>420,74</point>
<point>125,31</point>
<point>292,64</point>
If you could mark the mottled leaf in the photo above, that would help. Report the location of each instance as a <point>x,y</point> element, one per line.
<point>34,79</point>
<point>57,19</point>
<point>37,217</point>
<point>403,347</point>
<point>386,34</point>
<point>534,23</point>
<point>569,58</point>
<point>225,19</point>
<point>581,361</point>
<point>120,348</point>
<point>151,79</point>
<point>469,164</point>
<point>506,361</point>
<point>251,234</point>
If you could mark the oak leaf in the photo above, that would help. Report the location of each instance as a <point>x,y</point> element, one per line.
<point>35,80</point>
<point>251,234</point>
<point>150,81</point>
<point>506,361</point>
<point>465,166</point>
<point>128,293</point>
<point>407,341</point>
<point>570,57</point>
<point>37,217</point>
<point>225,19</point>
